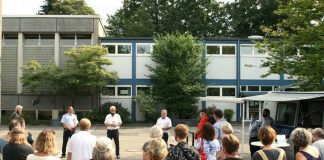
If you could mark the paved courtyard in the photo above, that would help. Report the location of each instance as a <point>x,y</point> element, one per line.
<point>131,138</point>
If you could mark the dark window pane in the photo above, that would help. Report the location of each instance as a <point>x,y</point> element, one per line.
<point>108,91</point>
<point>124,91</point>
<point>286,113</point>
<point>124,49</point>
<point>111,49</point>
<point>144,49</point>
<point>10,39</point>
<point>229,50</point>
<point>253,88</point>
<point>266,88</point>
<point>67,39</point>
<point>213,50</point>
<point>31,39</point>
<point>83,39</point>
<point>213,91</point>
<point>228,91</point>
<point>47,39</point>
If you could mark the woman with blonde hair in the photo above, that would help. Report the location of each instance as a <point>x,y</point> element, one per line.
<point>18,147</point>
<point>103,149</point>
<point>157,150</point>
<point>45,145</point>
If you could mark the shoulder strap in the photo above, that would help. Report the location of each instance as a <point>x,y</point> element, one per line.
<point>281,155</point>
<point>263,156</point>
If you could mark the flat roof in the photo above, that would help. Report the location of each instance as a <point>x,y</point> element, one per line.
<point>51,16</point>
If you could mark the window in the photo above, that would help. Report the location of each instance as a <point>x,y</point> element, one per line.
<point>266,88</point>
<point>286,113</point>
<point>67,40</point>
<point>83,39</point>
<point>228,91</point>
<point>31,39</point>
<point>215,91</point>
<point>253,88</point>
<point>47,39</point>
<point>246,49</point>
<point>124,91</point>
<point>243,88</point>
<point>144,49</point>
<point>146,90</point>
<point>213,50</point>
<point>108,91</point>
<point>228,50</point>
<point>10,39</point>
<point>118,48</point>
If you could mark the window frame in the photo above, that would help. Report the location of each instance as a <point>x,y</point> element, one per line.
<point>144,86</point>
<point>116,48</point>
<point>116,92</point>
<point>145,54</point>
<point>221,90</point>
<point>254,53</point>
<point>221,50</point>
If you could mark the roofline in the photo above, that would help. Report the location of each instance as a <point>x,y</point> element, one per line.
<point>152,38</point>
<point>51,16</point>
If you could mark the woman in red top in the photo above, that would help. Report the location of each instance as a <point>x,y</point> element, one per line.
<point>203,119</point>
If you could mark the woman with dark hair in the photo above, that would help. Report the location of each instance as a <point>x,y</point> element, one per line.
<point>208,145</point>
<point>301,138</point>
<point>267,135</point>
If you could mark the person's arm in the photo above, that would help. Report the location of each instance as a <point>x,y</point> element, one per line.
<point>76,122</point>
<point>120,122</point>
<point>69,156</point>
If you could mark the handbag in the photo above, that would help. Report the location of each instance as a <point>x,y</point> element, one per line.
<point>201,151</point>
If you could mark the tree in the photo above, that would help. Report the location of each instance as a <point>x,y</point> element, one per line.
<point>84,70</point>
<point>177,73</point>
<point>138,18</point>
<point>246,17</point>
<point>298,49</point>
<point>66,7</point>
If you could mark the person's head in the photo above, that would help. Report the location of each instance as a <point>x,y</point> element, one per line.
<point>230,144</point>
<point>266,113</point>
<point>21,121</point>
<point>181,131</point>
<point>208,131</point>
<point>69,109</point>
<point>85,124</point>
<point>112,110</point>
<point>318,134</point>
<point>103,149</point>
<point>227,128</point>
<point>156,132</point>
<point>18,108</point>
<point>164,113</point>
<point>18,135</point>
<point>45,142</point>
<point>203,112</point>
<point>158,149</point>
<point>267,135</point>
<point>14,123</point>
<point>218,114</point>
<point>300,137</point>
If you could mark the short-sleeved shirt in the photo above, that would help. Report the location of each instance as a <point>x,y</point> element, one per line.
<point>218,129</point>
<point>15,151</point>
<point>320,146</point>
<point>210,147</point>
<point>272,154</point>
<point>254,128</point>
<point>164,123</point>
<point>267,122</point>
<point>34,157</point>
<point>81,145</point>
<point>69,119</point>
<point>113,119</point>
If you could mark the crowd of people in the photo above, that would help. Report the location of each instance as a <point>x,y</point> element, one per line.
<point>214,139</point>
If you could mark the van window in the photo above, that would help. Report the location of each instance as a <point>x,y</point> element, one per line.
<point>286,113</point>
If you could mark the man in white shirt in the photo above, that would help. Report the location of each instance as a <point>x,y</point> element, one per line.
<point>112,122</point>
<point>165,123</point>
<point>70,122</point>
<point>82,143</point>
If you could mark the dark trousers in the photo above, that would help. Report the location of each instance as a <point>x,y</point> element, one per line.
<point>165,137</point>
<point>253,149</point>
<point>66,135</point>
<point>114,134</point>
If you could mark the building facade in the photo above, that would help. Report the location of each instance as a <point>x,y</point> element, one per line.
<point>233,71</point>
<point>45,39</point>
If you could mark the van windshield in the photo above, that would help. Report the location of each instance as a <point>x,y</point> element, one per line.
<point>286,113</point>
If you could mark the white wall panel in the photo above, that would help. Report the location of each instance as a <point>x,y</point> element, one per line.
<point>221,67</point>
<point>141,70</point>
<point>251,69</point>
<point>222,106</point>
<point>122,65</point>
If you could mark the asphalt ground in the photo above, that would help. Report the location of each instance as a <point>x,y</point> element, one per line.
<point>131,138</point>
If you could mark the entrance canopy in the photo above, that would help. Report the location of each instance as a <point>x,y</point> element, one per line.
<point>285,96</point>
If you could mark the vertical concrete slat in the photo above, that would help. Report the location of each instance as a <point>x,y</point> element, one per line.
<point>20,61</point>
<point>57,49</point>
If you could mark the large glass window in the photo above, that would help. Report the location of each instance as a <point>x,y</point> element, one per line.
<point>144,49</point>
<point>124,49</point>
<point>286,113</point>
<point>213,50</point>
<point>124,91</point>
<point>253,88</point>
<point>266,88</point>
<point>67,39</point>
<point>228,50</point>
<point>108,91</point>
<point>228,91</point>
<point>213,91</point>
<point>10,39</point>
<point>47,39</point>
<point>111,49</point>
<point>31,39</point>
<point>246,49</point>
<point>118,48</point>
<point>83,39</point>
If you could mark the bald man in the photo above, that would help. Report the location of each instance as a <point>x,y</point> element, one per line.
<point>112,122</point>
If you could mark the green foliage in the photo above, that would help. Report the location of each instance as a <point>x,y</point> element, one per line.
<point>148,106</point>
<point>228,114</point>
<point>298,47</point>
<point>98,115</point>
<point>177,73</point>
<point>66,7</point>
<point>138,18</point>
<point>84,70</point>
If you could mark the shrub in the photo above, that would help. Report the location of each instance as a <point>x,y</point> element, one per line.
<point>147,106</point>
<point>228,114</point>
